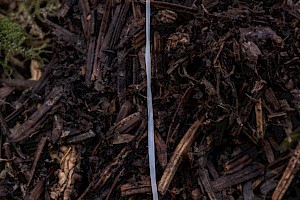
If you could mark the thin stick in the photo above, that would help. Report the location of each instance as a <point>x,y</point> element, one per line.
<point>151,148</point>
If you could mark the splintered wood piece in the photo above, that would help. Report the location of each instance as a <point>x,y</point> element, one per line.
<point>248,191</point>
<point>38,154</point>
<point>221,43</point>
<point>241,176</point>
<point>288,175</point>
<point>138,39</point>
<point>267,186</point>
<point>126,124</point>
<point>73,39</point>
<point>139,187</point>
<point>173,65</point>
<point>268,151</point>
<point>236,164</point>
<point>18,83</point>
<point>172,6</point>
<point>212,170</point>
<point>288,128</point>
<point>273,170</point>
<point>244,115</point>
<point>136,9</point>
<point>7,150</point>
<point>173,125</point>
<point>24,130</point>
<point>278,114</point>
<point>112,36</point>
<point>57,128</point>
<point>4,127</point>
<point>161,150</point>
<point>79,138</point>
<point>37,190</point>
<point>120,23</point>
<point>272,99</point>
<point>102,32</point>
<point>122,138</point>
<point>204,178</point>
<point>260,121</point>
<point>236,50</point>
<point>180,151</point>
<point>114,184</point>
<point>273,144</point>
<point>122,127</point>
<point>101,178</point>
<point>124,111</point>
<point>89,60</point>
<point>157,43</point>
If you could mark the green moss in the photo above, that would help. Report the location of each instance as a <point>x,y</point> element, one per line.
<point>12,39</point>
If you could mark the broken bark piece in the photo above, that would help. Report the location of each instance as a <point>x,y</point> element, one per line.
<point>5,91</point>
<point>138,39</point>
<point>268,151</point>
<point>24,130</point>
<point>64,9</point>
<point>166,16</point>
<point>102,32</point>
<point>114,184</point>
<point>248,193</point>
<point>208,4</point>
<point>81,137</point>
<point>124,111</point>
<point>236,164</point>
<point>75,40</point>
<point>122,138</point>
<point>139,187</point>
<point>36,192</point>
<point>274,115</point>
<point>260,121</point>
<point>85,20</point>
<point>212,170</point>
<point>173,125</point>
<point>236,50</point>
<point>126,124</point>
<point>38,154</point>
<point>89,60</point>
<point>271,98</point>
<point>288,175</point>
<point>251,52</point>
<point>260,33</point>
<point>101,178</point>
<point>3,127</point>
<point>173,6</point>
<point>18,83</point>
<point>181,149</point>
<point>161,150</point>
<point>288,128</point>
<point>246,174</point>
<point>57,128</point>
<point>267,186</point>
<point>204,178</point>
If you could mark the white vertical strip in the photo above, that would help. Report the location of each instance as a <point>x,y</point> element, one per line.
<point>151,145</point>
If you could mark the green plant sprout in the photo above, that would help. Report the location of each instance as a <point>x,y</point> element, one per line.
<point>12,39</point>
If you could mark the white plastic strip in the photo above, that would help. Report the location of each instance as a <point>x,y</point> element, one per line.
<point>151,145</point>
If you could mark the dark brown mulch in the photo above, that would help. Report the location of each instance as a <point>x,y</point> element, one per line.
<point>226,104</point>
